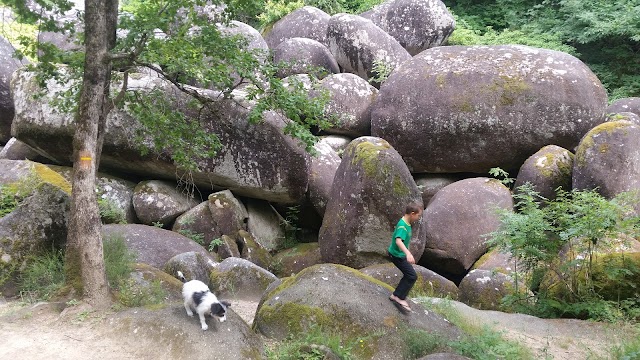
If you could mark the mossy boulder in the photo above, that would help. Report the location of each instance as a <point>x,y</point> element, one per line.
<point>484,289</point>
<point>608,158</point>
<point>343,300</point>
<point>496,261</point>
<point>265,223</point>
<point>615,270</point>
<point>149,286</point>
<point>628,116</point>
<point>114,195</point>
<point>480,105</point>
<point>193,265</point>
<point>228,247</point>
<point>293,260</point>
<point>370,192</point>
<point>240,279</point>
<point>457,220</point>
<point>546,170</point>
<point>161,202</point>
<point>152,245</point>
<point>252,251</point>
<point>221,214</point>
<point>429,283</point>
<point>38,222</point>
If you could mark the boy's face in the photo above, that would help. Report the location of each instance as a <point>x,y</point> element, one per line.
<point>415,216</point>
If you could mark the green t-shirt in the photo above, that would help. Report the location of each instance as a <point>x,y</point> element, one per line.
<point>402,231</point>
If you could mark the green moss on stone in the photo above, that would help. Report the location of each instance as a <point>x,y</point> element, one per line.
<point>587,141</point>
<point>367,155</point>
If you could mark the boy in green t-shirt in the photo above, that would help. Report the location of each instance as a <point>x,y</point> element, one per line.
<point>401,257</point>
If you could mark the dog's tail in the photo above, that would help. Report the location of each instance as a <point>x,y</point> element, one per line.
<point>181,276</point>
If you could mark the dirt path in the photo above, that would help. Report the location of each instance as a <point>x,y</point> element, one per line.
<point>44,332</point>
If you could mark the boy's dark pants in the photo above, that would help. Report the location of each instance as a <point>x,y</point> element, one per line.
<point>409,278</point>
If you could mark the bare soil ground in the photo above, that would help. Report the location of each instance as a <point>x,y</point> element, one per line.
<point>48,331</point>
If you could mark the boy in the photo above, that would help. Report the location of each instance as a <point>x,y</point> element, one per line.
<point>402,258</point>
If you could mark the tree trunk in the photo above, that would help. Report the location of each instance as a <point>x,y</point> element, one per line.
<point>84,257</point>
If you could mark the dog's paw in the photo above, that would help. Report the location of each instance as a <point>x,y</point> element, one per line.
<point>205,327</point>
<point>189,313</point>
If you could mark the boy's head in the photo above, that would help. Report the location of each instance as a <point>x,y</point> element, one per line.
<point>414,212</point>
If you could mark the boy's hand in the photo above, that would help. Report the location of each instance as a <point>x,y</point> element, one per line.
<point>410,259</point>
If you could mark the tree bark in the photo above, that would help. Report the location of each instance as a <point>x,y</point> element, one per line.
<point>84,257</point>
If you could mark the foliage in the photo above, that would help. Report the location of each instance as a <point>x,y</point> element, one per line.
<point>118,260</point>
<point>11,195</point>
<point>291,227</point>
<point>184,47</point>
<point>501,175</point>
<point>133,294</point>
<point>381,70</point>
<point>312,345</point>
<point>8,200</point>
<point>43,276</point>
<point>478,342</point>
<point>603,34</point>
<point>197,237</point>
<point>110,212</point>
<point>629,349</point>
<point>559,239</point>
<point>214,244</point>
<point>419,342</point>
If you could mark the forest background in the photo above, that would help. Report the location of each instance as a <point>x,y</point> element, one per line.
<point>604,34</point>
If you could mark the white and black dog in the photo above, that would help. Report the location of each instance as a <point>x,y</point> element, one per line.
<point>197,297</point>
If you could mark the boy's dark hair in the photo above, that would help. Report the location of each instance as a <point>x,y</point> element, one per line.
<point>413,208</point>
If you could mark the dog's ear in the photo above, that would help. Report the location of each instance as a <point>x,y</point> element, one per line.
<point>225,303</point>
<point>217,309</point>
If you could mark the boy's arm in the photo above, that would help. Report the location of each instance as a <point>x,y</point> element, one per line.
<point>406,251</point>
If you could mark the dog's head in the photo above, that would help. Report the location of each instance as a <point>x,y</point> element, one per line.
<point>219,310</point>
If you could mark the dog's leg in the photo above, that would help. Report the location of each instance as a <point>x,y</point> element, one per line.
<point>188,308</point>
<point>202,321</point>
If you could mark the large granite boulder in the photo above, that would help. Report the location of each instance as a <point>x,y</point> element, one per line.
<point>484,289</point>
<point>358,44</point>
<point>324,165</point>
<point>37,223</point>
<point>221,214</point>
<point>546,170</point>
<point>8,65</point>
<point>350,99</point>
<point>457,220</point>
<point>472,108</point>
<point>631,104</point>
<point>416,24</point>
<point>15,149</point>
<point>295,259</point>
<point>348,302</point>
<point>115,196</point>
<point>430,184</point>
<point>265,224</point>
<point>370,192</point>
<point>160,202</point>
<point>152,245</point>
<point>305,22</point>
<point>608,158</point>
<point>192,264</point>
<point>428,283</point>
<point>240,279</point>
<point>304,56</point>
<point>244,165</point>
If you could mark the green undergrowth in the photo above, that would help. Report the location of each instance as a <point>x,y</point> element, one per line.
<point>42,277</point>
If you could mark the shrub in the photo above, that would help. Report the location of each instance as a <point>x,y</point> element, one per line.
<point>42,277</point>
<point>110,212</point>
<point>118,260</point>
<point>559,246</point>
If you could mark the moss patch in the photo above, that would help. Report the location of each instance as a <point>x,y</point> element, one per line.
<point>588,142</point>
